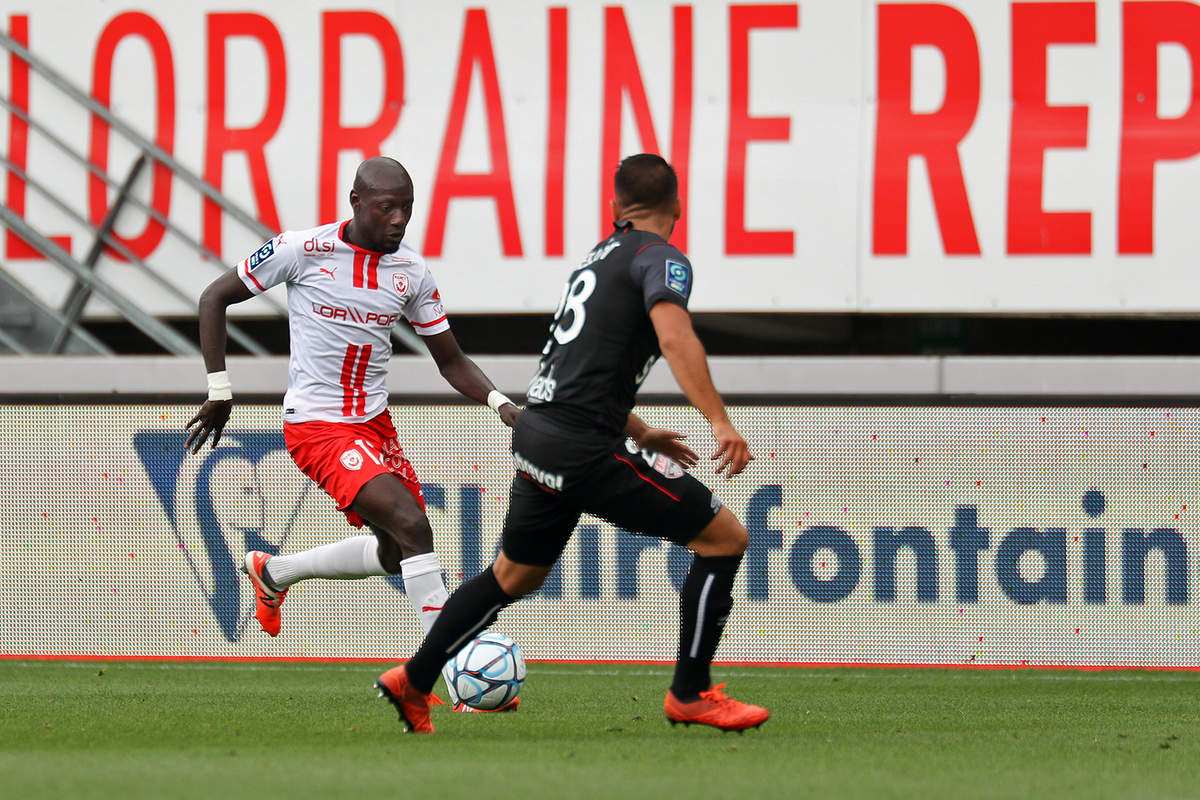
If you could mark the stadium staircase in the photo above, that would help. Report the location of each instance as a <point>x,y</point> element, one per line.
<point>30,326</point>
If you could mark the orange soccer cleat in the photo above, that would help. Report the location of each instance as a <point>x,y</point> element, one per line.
<point>267,600</point>
<point>717,709</point>
<point>412,705</point>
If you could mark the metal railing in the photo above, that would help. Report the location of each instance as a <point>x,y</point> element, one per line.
<point>163,334</point>
<point>85,280</point>
<point>44,311</point>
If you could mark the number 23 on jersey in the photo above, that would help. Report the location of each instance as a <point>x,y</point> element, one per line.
<point>569,319</point>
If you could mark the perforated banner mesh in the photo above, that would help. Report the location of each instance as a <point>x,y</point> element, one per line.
<point>1040,536</point>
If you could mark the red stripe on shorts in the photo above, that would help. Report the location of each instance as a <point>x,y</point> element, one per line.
<point>643,477</point>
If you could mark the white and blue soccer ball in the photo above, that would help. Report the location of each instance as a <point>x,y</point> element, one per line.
<point>488,672</point>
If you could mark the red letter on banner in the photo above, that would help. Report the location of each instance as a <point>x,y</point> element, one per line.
<point>222,139</point>
<point>743,129</point>
<point>1147,138</point>
<point>900,133</point>
<point>134,23</point>
<point>1037,126</point>
<point>336,137</point>
<point>497,184</point>
<point>622,76</point>
<point>556,131</point>
<point>18,141</point>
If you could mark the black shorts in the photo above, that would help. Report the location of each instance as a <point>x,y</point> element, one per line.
<point>559,477</point>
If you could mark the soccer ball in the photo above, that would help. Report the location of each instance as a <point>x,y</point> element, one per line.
<point>488,672</point>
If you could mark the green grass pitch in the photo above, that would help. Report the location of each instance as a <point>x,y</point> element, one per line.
<point>218,730</point>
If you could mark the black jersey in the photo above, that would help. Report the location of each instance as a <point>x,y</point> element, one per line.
<point>602,342</point>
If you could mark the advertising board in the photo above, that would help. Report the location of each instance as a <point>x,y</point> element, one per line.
<point>986,536</point>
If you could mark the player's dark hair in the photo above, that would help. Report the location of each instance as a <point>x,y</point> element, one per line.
<point>647,181</point>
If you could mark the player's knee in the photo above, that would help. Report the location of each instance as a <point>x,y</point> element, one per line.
<point>724,536</point>
<point>731,539</point>
<point>517,580</point>
<point>738,540</point>
<point>410,528</point>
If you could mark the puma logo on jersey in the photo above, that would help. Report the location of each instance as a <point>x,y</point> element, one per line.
<point>329,272</point>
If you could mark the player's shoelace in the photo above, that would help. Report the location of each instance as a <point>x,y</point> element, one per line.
<point>715,695</point>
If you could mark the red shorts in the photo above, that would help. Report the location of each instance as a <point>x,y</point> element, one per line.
<point>341,457</point>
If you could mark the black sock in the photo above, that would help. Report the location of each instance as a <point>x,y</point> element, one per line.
<point>471,608</point>
<point>704,604</point>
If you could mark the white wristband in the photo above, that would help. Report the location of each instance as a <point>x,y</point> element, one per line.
<point>219,387</point>
<point>497,399</point>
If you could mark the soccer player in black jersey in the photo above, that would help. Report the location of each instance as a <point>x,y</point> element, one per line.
<point>624,306</point>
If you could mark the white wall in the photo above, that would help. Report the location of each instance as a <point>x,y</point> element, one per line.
<point>976,227</point>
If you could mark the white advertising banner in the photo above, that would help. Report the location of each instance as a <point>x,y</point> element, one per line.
<point>967,156</point>
<point>886,535</point>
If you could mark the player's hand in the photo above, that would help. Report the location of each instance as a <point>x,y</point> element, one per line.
<point>732,450</point>
<point>669,444</point>
<point>210,419</point>
<point>508,414</point>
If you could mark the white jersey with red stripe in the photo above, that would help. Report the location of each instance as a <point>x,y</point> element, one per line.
<point>342,303</point>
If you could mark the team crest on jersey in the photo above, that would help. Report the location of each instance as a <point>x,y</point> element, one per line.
<point>400,281</point>
<point>679,277</point>
<point>260,255</point>
<point>352,460</point>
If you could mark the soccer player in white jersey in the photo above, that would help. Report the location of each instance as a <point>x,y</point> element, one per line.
<point>348,283</point>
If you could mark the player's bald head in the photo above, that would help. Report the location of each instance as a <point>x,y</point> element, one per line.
<point>382,199</point>
<point>646,182</point>
<point>381,174</point>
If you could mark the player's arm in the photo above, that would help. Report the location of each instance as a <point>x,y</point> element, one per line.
<point>689,363</point>
<point>467,378</point>
<point>660,440</point>
<point>212,416</point>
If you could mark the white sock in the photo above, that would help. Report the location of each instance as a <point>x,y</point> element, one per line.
<point>356,557</point>
<point>423,584</point>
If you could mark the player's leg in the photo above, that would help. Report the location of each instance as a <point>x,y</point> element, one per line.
<point>706,600</point>
<point>272,576</point>
<point>536,530</point>
<point>348,559</point>
<point>654,496</point>
<point>395,511</point>
<point>472,608</point>
<point>352,461</point>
